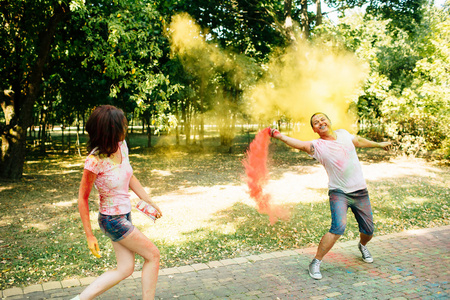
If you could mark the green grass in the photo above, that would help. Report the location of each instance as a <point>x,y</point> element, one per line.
<point>207,212</point>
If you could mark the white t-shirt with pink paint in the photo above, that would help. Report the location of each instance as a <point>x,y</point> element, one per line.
<point>113,181</point>
<point>340,161</point>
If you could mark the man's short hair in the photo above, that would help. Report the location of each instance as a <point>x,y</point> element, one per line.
<point>318,113</point>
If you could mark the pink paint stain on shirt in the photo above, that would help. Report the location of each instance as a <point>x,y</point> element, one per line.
<point>112,181</point>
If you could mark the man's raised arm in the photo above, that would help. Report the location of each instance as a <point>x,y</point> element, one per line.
<point>361,142</point>
<point>294,143</point>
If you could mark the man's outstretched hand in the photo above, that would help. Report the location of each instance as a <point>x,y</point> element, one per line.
<point>274,133</point>
<point>385,145</point>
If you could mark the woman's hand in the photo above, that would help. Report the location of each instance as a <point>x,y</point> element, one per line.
<point>93,246</point>
<point>137,188</point>
<point>158,210</point>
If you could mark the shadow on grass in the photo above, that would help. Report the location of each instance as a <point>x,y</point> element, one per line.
<point>240,230</point>
<point>170,168</point>
<point>409,202</point>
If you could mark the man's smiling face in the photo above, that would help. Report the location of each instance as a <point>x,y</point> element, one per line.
<point>320,124</point>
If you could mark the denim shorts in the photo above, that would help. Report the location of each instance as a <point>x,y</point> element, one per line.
<point>359,202</point>
<point>116,227</point>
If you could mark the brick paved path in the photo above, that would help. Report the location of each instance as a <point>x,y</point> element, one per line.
<point>408,265</point>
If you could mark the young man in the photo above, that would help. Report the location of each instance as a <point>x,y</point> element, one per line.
<point>336,151</point>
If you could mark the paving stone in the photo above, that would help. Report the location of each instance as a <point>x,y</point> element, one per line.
<point>70,283</point>
<point>227,262</point>
<point>267,255</point>
<point>241,260</point>
<point>12,292</point>
<point>33,288</point>
<point>52,285</point>
<point>198,267</point>
<point>185,269</point>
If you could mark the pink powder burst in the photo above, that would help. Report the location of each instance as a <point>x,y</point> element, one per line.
<point>255,165</point>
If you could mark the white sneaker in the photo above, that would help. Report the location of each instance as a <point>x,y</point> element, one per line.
<point>77,297</point>
<point>366,256</point>
<point>314,269</point>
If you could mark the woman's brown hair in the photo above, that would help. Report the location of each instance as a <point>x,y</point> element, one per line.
<point>106,127</point>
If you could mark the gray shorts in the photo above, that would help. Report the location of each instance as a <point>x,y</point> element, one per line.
<point>359,202</point>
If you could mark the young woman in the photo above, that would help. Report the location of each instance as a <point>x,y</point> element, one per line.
<point>107,166</point>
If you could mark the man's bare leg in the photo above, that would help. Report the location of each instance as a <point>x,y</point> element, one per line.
<point>364,238</point>
<point>326,243</point>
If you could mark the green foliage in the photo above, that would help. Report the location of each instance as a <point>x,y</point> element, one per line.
<point>420,110</point>
<point>406,15</point>
<point>251,28</point>
<point>119,53</point>
<point>124,44</point>
<point>406,96</point>
<point>21,24</point>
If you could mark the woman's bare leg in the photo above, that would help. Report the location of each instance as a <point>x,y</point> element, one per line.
<point>138,243</point>
<point>125,267</point>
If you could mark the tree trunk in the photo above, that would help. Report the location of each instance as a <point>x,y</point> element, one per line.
<point>288,24</point>
<point>187,124</point>
<point>18,104</point>
<point>202,109</point>
<point>78,139</point>
<point>43,132</point>
<point>131,122</point>
<point>84,123</point>
<point>149,133</point>
<point>62,138</point>
<point>305,19</point>
<point>78,134</point>
<point>318,13</point>
<point>68,138</point>
<point>13,140</point>
<point>177,131</point>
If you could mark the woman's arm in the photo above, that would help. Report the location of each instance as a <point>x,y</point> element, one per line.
<point>137,188</point>
<point>361,142</point>
<point>294,143</point>
<point>86,184</point>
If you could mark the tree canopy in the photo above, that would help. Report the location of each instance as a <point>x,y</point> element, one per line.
<point>59,59</point>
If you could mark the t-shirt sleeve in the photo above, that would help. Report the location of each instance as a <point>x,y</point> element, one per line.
<point>317,150</point>
<point>125,147</point>
<point>348,134</point>
<point>92,164</point>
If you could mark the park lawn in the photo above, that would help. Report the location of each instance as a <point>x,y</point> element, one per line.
<point>207,212</point>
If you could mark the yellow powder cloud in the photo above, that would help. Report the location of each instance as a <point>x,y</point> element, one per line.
<point>306,79</point>
<point>300,81</point>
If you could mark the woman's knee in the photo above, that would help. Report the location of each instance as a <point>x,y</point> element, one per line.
<point>153,255</point>
<point>125,269</point>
